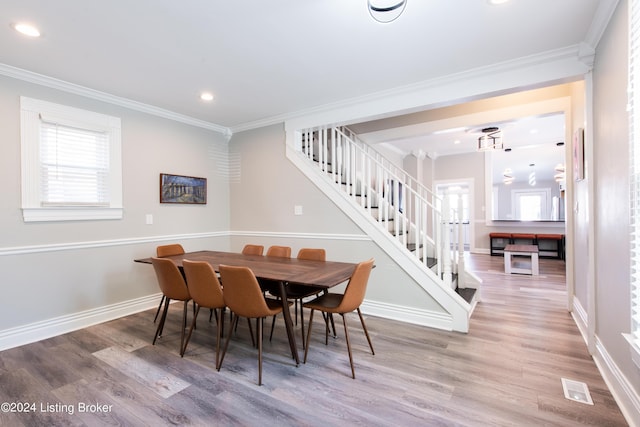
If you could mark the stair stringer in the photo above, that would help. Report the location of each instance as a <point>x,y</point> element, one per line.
<point>456,307</point>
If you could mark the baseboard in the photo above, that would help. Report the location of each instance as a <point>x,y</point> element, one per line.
<point>621,388</point>
<point>432,319</point>
<point>37,331</point>
<point>580,317</point>
<point>623,392</point>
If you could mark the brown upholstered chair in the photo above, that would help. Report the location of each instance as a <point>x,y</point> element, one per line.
<point>332,303</point>
<point>162,251</point>
<point>272,286</point>
<point>279,251</point>
<point>173,287</point>
<point>205,290</point>
<point>297,293</point>
<point>252,250</point>
<point>243,296</point>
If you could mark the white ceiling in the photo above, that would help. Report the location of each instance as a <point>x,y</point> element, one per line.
<point>269,59</point>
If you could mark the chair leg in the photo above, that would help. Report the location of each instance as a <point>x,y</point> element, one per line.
<point>219,327</point>
<point>365,330</point>
<point>301,322</point>
<point>193,323</point>
<point>273,324</point>
<point>306,347</point>
<point>162,319</point>
<point>226,344</point>
<point>158,310</point>
<point>346,336</point>
<point>260,325</point>
<point>253,342</point>
<point>184,323</point>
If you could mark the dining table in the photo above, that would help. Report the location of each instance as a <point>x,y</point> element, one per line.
<point>284,271</point>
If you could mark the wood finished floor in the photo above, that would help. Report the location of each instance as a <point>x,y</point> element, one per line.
<point>506,372</point>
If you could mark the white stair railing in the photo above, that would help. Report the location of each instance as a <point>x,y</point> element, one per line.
<point>406,208</point>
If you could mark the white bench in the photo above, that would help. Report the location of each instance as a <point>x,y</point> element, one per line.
<point>530,251</point>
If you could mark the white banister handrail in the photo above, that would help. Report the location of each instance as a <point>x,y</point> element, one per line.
<point>407,178</point>
<point>420,220</point>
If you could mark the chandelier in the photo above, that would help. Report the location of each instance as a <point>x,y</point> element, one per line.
<point>491,139</point>
<point>386,10</point>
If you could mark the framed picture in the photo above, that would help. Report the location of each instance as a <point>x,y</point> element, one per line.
<point>182,189</point>
<point>578,154</point>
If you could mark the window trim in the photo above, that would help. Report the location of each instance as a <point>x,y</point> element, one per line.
<point>31,111</point>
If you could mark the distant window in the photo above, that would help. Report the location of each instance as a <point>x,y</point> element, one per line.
<point>530,205</point>
<point>71,163</point>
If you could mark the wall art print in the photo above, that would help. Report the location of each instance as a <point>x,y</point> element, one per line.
<point>182,189</point>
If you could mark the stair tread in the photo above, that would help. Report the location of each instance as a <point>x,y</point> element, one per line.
<point>467,293</point>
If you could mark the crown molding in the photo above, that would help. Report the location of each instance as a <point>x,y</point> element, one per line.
<point>569,53</point>
<point>53,83</point>
<point>600,21</point>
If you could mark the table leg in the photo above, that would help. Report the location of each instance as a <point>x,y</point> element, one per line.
<point>288,322</point>
<point>534,264</point>
<point>507,262</point>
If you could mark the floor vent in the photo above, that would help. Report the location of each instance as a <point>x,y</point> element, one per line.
<point>576,391</point>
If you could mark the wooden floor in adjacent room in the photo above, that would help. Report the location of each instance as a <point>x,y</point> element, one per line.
<point>505,372</point>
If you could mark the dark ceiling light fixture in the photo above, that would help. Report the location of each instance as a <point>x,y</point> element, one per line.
<point>491,139</point>
<point>386,10</point>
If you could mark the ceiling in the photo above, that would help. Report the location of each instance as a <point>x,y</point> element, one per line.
<point>274,59</point>
<point>532,125</point>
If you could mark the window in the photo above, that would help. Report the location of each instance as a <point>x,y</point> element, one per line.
<point>71,163</point>
<point>531,205</point>
<point>634,156</point>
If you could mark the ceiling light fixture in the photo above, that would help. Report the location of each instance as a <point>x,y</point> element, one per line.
<point>386,10</point>
<point>27,30</point>
<point>495,2</point>
<point>491,140</point>
<point>206,96</point>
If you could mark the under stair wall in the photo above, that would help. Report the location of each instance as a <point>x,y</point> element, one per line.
<point>356,204</point>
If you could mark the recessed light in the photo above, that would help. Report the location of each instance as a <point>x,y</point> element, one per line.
<point>27,30</point>
<point>497,1</point>
<point>206,96</point>
<point>457,141</point>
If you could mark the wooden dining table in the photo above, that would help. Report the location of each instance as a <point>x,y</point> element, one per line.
<point>285,271</point>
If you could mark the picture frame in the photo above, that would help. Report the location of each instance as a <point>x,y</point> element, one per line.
<point>578,154</point>
<point>183,189</point>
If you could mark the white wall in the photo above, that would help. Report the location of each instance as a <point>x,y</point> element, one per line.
<point>610,173</point>
<point>57,275</point>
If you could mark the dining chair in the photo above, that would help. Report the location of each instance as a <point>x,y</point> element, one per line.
<point>162,251</point>
<point>252,249</point>
<point>205,290</point>
<point>297,293</point>
<point>279,251</point>
<point>350,300</point>
<point>243,296</point>
<point>173,287</point>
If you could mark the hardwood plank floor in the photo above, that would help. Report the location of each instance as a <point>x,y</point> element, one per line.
<point>505,372</point>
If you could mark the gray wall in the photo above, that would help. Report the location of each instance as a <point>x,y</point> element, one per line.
<point>611,174</point>
<point>53,269</point>
<point>263,196</point>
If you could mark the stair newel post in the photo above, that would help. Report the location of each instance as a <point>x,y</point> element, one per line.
<point>446,241</point>
<point>461,265</point>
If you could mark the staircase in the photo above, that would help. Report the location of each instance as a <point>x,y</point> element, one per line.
<point>419,230</point>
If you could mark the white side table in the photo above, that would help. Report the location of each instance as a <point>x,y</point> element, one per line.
<point>530,251</point>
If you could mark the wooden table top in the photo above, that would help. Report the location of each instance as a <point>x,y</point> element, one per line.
<point>323,274</point>
<point>531,249</point>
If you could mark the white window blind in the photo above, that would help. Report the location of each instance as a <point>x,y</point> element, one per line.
<point>634,147</point>
<point>71,163</point>
<point>74,166</point>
